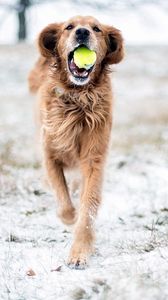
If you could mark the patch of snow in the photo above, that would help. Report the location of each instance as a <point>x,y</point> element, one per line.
<point>131,259</point>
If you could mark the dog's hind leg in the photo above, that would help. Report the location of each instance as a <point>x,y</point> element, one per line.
<point>56,178</point>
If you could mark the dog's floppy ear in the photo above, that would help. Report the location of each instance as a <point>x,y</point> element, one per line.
<point>114,41</point>
<point>48,39</point>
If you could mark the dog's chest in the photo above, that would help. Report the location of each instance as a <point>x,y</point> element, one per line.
<point>67,118</point>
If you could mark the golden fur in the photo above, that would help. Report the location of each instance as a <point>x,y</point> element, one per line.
<point>76,121</point>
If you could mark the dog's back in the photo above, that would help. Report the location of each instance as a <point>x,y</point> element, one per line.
<point>37,74</point>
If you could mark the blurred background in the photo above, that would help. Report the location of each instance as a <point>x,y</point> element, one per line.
<point>132,259</point>
<point>140,21</point>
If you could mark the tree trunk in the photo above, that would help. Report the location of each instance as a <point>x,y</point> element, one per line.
<point>22,32</point>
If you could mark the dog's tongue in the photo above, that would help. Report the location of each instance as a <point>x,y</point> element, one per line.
<point>72,65</point>
<point>78,71</point>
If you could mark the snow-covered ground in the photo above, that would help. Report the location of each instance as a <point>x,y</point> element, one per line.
<point>145,23</point>
<point>131,260</point>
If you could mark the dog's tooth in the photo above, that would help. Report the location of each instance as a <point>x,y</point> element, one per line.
<point>85,73</point>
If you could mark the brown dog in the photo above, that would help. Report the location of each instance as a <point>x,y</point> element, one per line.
<point>75,108</point>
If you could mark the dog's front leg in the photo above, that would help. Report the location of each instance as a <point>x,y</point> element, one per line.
<point>90,199</point>
<point>58,183</point>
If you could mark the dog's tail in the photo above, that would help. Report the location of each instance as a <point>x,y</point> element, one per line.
<point>36,75</point>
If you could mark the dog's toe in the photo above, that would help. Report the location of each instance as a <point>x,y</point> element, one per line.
<point>77,266</point>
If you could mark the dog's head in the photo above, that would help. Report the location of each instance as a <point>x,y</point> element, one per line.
<point>59,41</point>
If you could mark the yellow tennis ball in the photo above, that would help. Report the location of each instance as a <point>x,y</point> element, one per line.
<point>84,57</point>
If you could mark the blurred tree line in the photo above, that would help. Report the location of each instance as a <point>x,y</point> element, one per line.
<point>21,7</point>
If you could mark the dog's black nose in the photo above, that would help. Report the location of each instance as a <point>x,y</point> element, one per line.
<point>82,34</point>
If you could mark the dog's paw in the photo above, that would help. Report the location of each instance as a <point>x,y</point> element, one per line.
<point>79,255</point>
<point>79,262</point>
<point>68,215</point>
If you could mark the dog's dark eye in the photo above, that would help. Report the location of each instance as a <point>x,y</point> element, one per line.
<point>97,29</point>
<point>69,27</point>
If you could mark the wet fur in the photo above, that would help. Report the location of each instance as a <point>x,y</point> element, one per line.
<point>76,125</point>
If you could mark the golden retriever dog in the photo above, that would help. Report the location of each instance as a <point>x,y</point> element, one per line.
<point>75,114</point>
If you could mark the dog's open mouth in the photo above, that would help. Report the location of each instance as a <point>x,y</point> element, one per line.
<point>79,73</point>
